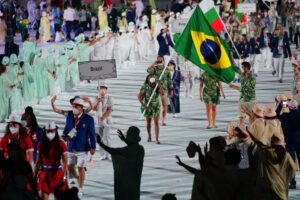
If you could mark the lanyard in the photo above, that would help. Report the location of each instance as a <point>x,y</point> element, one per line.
<point>77,122</point>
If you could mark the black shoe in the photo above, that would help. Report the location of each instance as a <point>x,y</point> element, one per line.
<point>292,187</point>
<point>280,80</point>
<point>98,139</point>
<point>273,73</point>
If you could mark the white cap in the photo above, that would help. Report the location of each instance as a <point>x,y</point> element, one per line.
<point>78,101</point>
<point>103,84</point>
<point>50,126</point>
<point>154,11</point>
<point>15,119</point>
<point>100,8</point>
<point>123,14</point>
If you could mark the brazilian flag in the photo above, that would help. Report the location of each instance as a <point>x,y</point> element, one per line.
<point>201,45</point>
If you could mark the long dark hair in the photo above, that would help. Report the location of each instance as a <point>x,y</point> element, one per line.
<point>45,144</point>
<point>33,124</point>
<point>22,130</point>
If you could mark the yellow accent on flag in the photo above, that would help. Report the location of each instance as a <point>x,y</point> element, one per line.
<point>224,60</point>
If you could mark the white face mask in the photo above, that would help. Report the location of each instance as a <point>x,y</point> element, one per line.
<point>50,136</point>
<point>75,111</point>
<point>13,130</point>
<point>164,34</point>
<point>152,80</point>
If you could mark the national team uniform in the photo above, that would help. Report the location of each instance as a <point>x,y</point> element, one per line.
<point>25,143</point>
<point>51,173</point>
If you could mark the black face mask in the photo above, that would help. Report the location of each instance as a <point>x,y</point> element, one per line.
<point>21,64</point>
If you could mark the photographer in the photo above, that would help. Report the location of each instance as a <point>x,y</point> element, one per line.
<point>291,129</point>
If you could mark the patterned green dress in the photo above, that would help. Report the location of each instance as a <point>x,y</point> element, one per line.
<point>211,91</point>
<point>155,104</point>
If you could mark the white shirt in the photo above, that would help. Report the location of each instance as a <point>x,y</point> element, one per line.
<point>69,14</point>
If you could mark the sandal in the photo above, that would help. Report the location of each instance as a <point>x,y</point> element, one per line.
<point>164,124</point>
<point>208,127</point>
<point>149,140</point>
<point>157,142</point>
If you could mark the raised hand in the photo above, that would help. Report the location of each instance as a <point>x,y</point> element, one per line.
<point>206,148</point>
<point>178,160</point>
<point>53,99</point>
<point>121,135</point>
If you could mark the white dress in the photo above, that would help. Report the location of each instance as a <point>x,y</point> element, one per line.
<point>99,50</point>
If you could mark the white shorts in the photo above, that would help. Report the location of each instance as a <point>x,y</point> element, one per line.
<point>77,158</point>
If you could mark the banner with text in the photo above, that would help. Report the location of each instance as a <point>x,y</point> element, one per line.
<point>97,70</point>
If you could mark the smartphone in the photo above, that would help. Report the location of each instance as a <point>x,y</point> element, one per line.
<point>284,104</point>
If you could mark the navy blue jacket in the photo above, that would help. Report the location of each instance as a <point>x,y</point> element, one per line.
<point>262,43</point>
<point>286,46</point>
<point>238,46</point>
<point>254,46</point>
<point>245,48</point>
<point>164,44</point>
<point>174,106</point>
<point>85,137</point>
<point>130,16</point>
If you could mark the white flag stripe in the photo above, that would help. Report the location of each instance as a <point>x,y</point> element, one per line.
<point>206,5</point>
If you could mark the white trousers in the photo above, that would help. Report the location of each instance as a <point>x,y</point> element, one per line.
<point>254,61</point>
<point>189,85</point>
<point>104,133</point>
<point>279,66</point>
<point>267,57</point>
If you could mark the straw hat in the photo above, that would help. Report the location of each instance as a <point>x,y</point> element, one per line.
<point>231,126</point>
<point>288,95</point>
<point>281,97</point>
<point>258,110</point>
<point>270,111</point>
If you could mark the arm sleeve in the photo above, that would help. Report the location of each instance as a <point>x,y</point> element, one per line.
<point>92,134</point>
<point>63,146</point>
<point>29,144</point>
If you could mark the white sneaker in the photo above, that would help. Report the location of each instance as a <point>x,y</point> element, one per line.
<point>80,192</point>
<point>174,115</point>
<point>103,158</point>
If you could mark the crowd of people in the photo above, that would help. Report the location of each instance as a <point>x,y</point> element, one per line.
<point>257,156</point>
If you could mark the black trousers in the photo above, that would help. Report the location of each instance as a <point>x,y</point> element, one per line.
<point>69,26</point>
